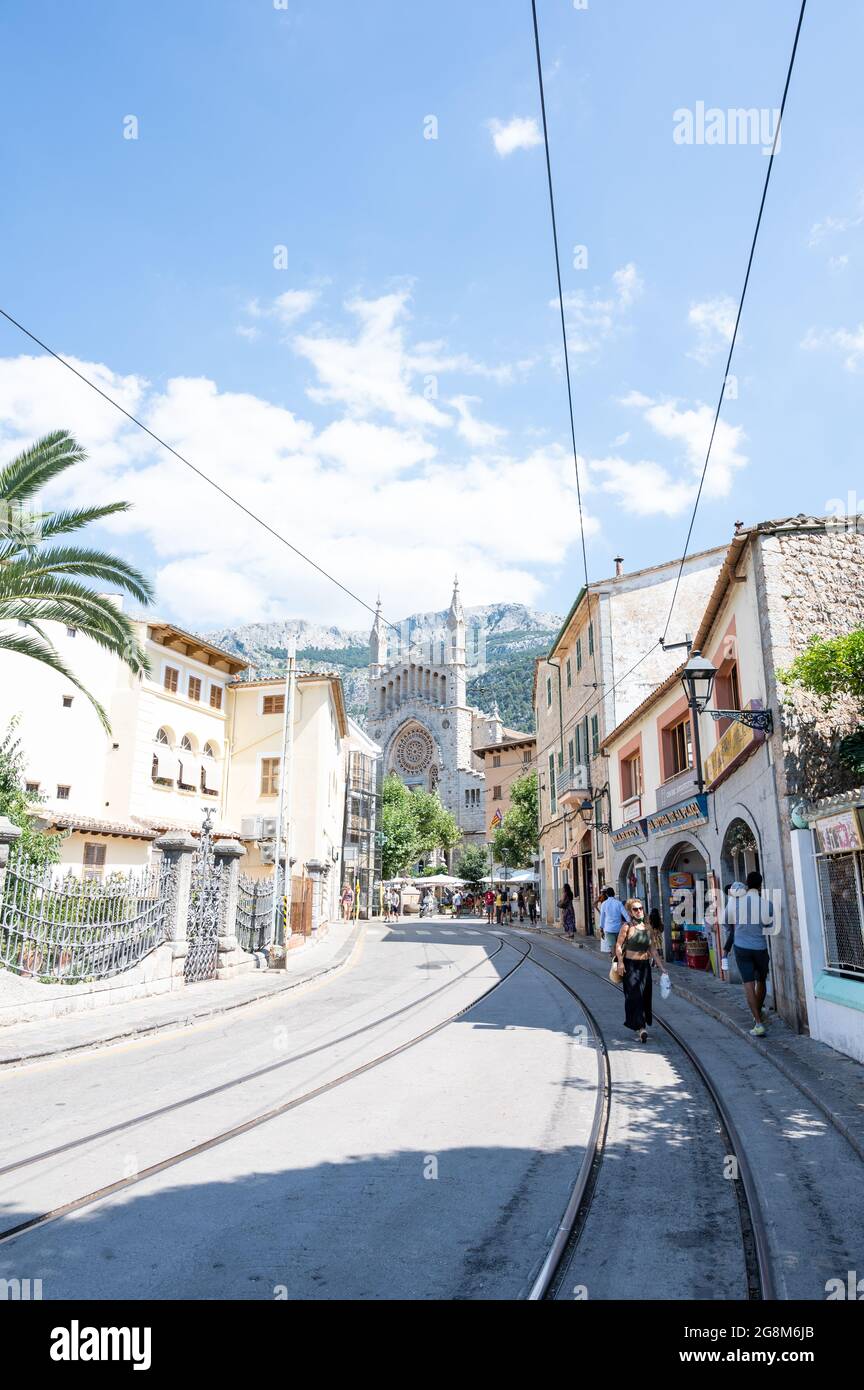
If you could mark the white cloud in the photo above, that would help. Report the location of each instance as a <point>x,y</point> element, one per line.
<point>848,341</point>
<point>833,226</point>
<point>592,318</point>
<point>478,433</point>
<point>293,304</point>
<point>838,262</point>
<point>519,133</point>
<point>645,487</point>
<point>691,428</point>
<point>250,334</point>
<point>714,321</point>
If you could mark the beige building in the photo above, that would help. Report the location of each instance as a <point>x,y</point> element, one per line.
<point>600,666</point>
<point>505,755</point>
<point>191,735</point>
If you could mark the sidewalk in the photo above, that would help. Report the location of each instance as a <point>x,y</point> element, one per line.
<point>831,1081</point>
<point>21,1043</point>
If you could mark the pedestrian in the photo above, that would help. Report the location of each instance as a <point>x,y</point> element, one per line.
<point>520,903</point>
<point>347,901</point>
<point>499,907</point>
<point>489,904</point>
<point>532,907</point>
<point>385,904</point>
<point>568,914</point>
<point>457,904</point>
<point>613,915</point>
<point>748,914</point>
<point>634,951</point>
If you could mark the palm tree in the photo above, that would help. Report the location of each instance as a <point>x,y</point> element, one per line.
<point>42,583</point>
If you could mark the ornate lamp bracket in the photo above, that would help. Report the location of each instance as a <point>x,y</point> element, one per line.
<point>753,718</point>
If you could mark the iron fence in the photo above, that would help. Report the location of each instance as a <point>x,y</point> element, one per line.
<point>841,886</point>
<point>255,912</point>
<point>59,928</point>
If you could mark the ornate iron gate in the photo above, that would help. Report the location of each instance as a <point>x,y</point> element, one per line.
<point>206,908</point>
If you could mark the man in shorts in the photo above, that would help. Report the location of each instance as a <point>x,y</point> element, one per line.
<point>748,914</point>
<point>613,915</point>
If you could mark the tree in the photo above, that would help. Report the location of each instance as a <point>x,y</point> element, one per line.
<point>473,865</point>
<point>514,843</point>
<point>414,823</point>
<point>15,803</point>
<point>830,667</point>
<point>43,583</point>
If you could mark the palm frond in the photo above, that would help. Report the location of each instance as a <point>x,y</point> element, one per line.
<point>36,466</point>
<point>61,523</point>
<point>65,601</point>
<point>44,652</point>
<point>91,564</point>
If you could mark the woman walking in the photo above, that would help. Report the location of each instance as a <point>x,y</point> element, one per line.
<point>568,914</point>
<point>634,952</point>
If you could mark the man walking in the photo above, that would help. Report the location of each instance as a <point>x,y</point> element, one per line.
<point>613,915</point>
<point>748,914</point>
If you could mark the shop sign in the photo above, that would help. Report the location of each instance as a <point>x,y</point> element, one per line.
<point>680,817</point>
<point>840,833</point>
<point>736,744</point>
<point>635,832</point>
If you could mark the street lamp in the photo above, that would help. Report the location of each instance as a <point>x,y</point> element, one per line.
<point>697,679</point>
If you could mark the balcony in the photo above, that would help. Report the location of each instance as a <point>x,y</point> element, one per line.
<point>573,785</point>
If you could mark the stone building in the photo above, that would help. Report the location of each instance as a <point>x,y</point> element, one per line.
<point>419,715</point>
<point>601,665</point>
<point>506,755</point>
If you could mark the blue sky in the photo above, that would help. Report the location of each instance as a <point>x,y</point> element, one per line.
<point>392,400</point>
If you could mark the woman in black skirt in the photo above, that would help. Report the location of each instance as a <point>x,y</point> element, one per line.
<point>634,952</point>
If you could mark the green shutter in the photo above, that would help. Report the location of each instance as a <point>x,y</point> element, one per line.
<point>553,800</point>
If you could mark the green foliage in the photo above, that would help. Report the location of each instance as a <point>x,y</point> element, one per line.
<point>830,667</point>
<point>414,823</point>
<point>514,843</point>
<point>15,801</point>
<point>508,679</point>
<point>42,582</point>
<point>473,865</point>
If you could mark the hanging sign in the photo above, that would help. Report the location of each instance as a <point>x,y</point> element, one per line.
<point>680,817</point>
<point>635,832</point>
<point>840,833</point>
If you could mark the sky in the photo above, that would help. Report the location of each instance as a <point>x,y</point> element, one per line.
<point>308,242</point>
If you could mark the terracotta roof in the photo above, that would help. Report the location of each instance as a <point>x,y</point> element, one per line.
<point>134,829</point>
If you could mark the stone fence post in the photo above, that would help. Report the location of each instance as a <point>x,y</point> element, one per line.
<point>228,854</point>
<point>316,871</point>
<point>9,834</point>
<point>177,851</point>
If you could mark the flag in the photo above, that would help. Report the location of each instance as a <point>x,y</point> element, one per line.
<point>496,820</point>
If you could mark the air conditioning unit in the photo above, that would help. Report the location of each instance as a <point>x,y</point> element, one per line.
<point>268,827</point>
<point>250,827</point>
<point>268,852</point>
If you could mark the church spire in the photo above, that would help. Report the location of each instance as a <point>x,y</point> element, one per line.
<point>378,639</point>
<point>455,614</point>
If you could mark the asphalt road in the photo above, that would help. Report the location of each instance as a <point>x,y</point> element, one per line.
<point>439,1172</point>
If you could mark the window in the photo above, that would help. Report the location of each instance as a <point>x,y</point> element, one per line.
<point>578,741</point>
<point>677,747</point>
<point>595,735</point>
<point>548,691</point>
<point>171,679</point>
<point>467,797</point>
<point>63,792</point>
<point>209,750</point>
<point>560,759</point>
<point>67,701</point>
<point>727,694</point>
<point>215,697</point>
<point>496,793</point>
<point>186,743</point>
<point>590,639</point>
<point>162,737</point>
<point>570,756</point>
<point>631,777</point>
<point>94,861</point>
<point>269,776</point>
<point>578,653</point>
<point>496,759</point>
<point>526,757</point>
<point>553,801</point>
<point>195,688</point>
<point>71,632</point>
<point>273,704</point>
<point>32,788</point>
<point>569,674</point>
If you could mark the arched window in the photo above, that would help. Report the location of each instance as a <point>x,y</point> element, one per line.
<point>209,751</point>
<point>162,737</point>
<point>186,743</point>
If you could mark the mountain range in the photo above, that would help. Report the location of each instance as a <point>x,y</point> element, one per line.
<point>514,636</point>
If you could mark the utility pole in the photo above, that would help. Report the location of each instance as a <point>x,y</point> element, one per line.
<point>284,817</point>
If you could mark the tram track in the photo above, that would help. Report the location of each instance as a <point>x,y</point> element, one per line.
<point>107,1190</point>
<point>754,1234</point>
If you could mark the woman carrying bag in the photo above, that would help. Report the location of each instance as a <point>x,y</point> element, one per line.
<point>634,952</point>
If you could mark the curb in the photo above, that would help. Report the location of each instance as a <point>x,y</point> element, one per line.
<point>850,1135</point>
<point>132,1034</point>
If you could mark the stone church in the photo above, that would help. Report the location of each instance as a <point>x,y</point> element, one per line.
<point>419,715</point>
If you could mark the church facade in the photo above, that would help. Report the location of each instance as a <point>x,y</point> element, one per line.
<point>419,715</point>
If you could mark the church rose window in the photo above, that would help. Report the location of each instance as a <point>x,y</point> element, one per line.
<point>414,751</point>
